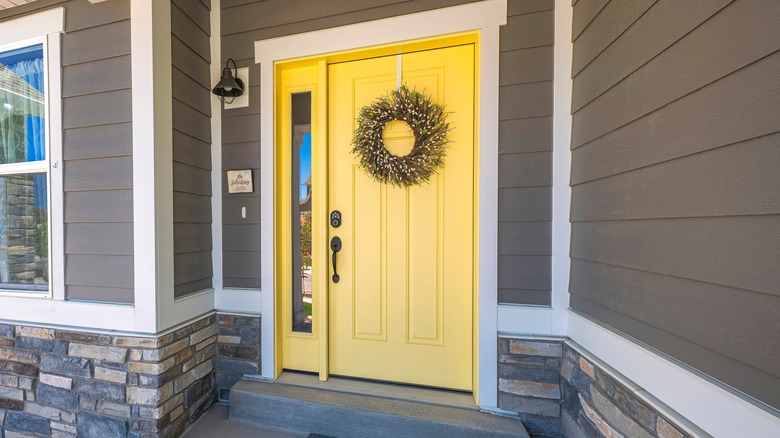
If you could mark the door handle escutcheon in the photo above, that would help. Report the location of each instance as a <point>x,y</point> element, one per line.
<point>335,247</point>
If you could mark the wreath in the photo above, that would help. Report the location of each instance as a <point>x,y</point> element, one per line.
<point>427,120</point>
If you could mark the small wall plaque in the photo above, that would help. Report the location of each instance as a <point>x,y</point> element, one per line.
<point>240,181</point>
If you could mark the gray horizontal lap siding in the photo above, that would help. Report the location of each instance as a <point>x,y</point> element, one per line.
<point>97,147</point>
<point>525,153</point>
<point>675,212</point>
<point>243,23</point>
<point>191,81</point>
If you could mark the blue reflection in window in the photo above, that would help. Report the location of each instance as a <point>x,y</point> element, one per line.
<point>22,114</point>
<point>305,169</point>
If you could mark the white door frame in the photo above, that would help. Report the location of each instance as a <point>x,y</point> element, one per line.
<point>484,16</point>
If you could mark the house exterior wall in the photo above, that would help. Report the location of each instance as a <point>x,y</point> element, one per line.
<point>191,81</point>
<point>244,22</point>
<point>525,138</point>
<point>97,147</point>
<point>525,153</point>
<point>675,219</point>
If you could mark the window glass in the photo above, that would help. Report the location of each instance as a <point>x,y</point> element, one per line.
<point>303,311</point>
<point>22,115</point>
<point>24,206</point>
<point>24,233</point>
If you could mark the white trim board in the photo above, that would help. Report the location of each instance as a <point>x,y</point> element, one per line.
<point>239,300</point>
<point>485,16</point>
<point>525,320</point>
<point>56,171</point>
<point>35,311</point>
<point>713,409</point>
<point>216,154</point>
<point>33,26</point>
<point>428,24</point>
<point>149,177</point>
<point>561,191</point>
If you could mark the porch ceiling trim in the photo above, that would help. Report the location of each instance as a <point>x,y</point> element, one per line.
<point>485,16</point>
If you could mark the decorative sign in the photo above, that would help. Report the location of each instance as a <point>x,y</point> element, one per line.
<point>240,181</point>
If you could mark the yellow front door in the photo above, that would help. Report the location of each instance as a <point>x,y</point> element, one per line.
<point>402,310</point>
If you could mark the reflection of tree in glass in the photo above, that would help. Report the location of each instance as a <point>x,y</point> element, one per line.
<point>305,240</point>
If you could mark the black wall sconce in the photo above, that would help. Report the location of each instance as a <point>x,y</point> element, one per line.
<point>229,86</point>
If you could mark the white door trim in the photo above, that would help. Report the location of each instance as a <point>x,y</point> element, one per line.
<point>485,16</point>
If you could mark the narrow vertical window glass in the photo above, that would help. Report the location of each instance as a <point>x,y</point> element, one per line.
<point>301,212</point>
<point>24,206</point>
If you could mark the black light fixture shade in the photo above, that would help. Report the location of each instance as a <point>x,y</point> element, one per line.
<point>229,86</point>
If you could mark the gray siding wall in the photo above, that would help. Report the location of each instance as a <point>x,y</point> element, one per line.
<point>526,129</point>
<point>244,22</point>
<point>191,57</point>
<point>525,153</point>
<point>97,147</point>
<point>675,209</point>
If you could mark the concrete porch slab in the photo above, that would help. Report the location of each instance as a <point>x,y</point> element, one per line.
<point>345,415</point>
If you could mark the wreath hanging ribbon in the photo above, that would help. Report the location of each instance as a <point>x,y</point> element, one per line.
<point>427,120</point>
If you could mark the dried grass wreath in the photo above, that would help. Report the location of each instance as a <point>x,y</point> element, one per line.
<point>427,120</point>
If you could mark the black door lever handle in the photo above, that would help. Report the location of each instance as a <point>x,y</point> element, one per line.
<point>335,246</point>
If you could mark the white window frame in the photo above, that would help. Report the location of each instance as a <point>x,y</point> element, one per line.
<point>52,310</point>
<point>45,29</point>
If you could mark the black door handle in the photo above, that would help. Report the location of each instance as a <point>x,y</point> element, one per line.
<point>335,246</point>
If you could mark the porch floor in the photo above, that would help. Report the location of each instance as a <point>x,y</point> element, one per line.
<point>394,391</point>
<point>215,423</point>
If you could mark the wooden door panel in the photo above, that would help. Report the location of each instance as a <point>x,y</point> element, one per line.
<point>403,308</point>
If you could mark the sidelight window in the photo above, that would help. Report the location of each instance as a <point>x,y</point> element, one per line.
<point>301,204</point>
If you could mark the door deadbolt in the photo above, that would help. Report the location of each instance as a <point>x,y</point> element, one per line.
<point>335,219</point>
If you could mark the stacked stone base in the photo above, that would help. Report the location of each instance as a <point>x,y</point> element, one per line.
<point>558,392</point>
<point>529,383</point>
<point>238,351</point>
<point>59,383</point>
<point>597,405</point>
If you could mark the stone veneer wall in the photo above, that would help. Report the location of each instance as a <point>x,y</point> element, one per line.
<point>63,383</point>
<point>529,383</point>
<point>597,405</point>
<point>238,351</point>
<point>558,392</point>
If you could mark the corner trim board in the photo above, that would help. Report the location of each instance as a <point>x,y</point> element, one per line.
<point>561,191</point>
<point>216,158</point>
<point>150,101</point>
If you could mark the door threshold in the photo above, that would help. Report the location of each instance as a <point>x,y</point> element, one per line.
<point>394,391</point>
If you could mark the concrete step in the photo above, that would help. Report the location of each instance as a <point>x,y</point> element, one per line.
<point>345,415</point>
